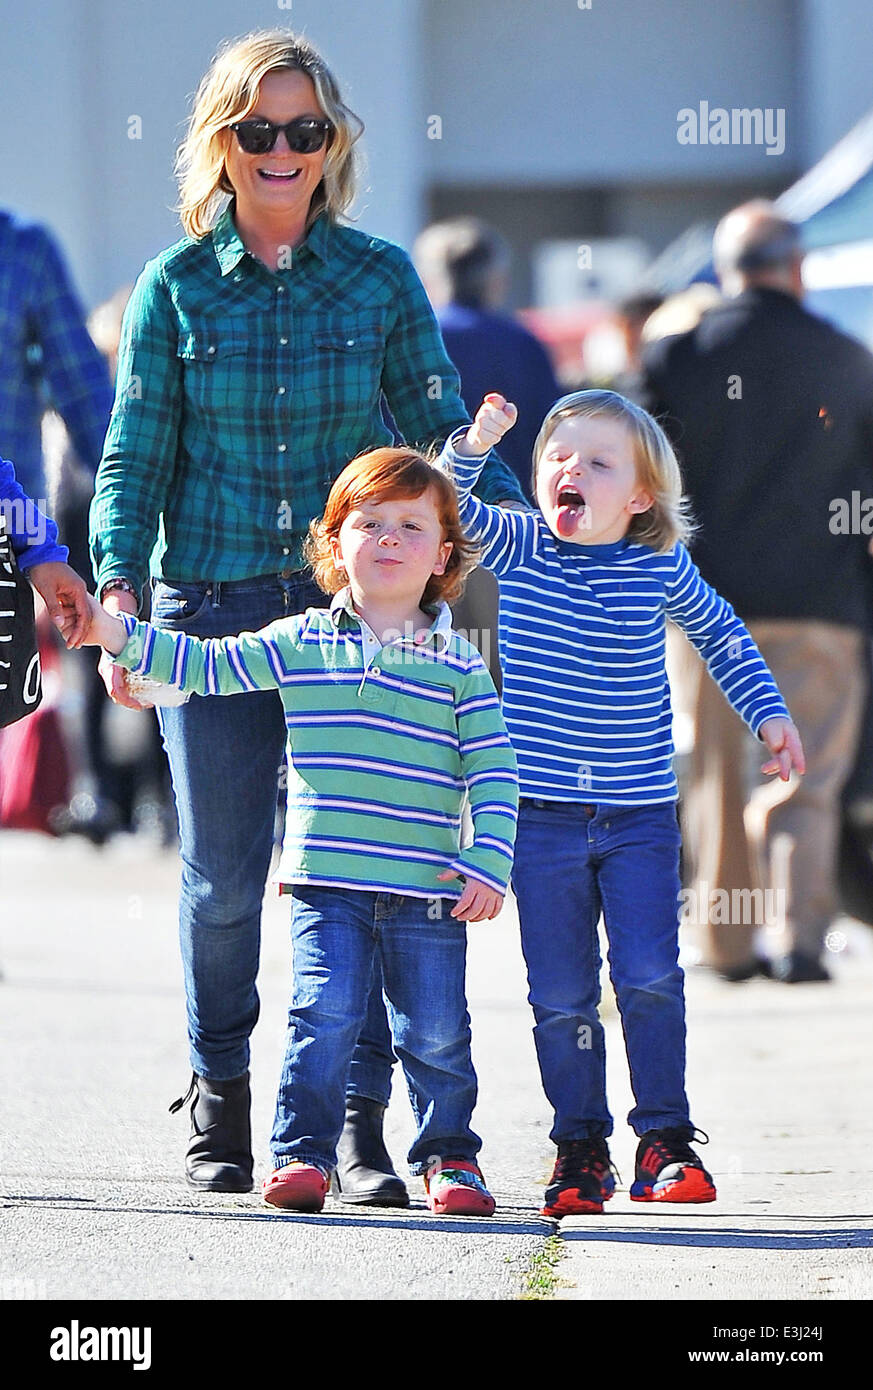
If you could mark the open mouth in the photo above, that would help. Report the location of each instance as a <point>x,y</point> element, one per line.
<point>279,175</point>
<point>572,511</point>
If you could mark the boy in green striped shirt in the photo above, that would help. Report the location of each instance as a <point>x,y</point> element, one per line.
<point>392,720</point>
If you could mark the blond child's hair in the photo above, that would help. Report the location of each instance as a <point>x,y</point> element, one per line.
<point>228,93</point>
<point>668,520</point>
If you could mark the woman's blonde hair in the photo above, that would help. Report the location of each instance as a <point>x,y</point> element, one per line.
<point>668,520</point>
<point>377,476</point>
<point>228,93</point>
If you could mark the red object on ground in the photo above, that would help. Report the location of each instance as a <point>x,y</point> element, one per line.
<point>296,1187</point>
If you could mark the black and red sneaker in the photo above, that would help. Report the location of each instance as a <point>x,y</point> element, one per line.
<point>582,1178</point>
<point>668,1169</point>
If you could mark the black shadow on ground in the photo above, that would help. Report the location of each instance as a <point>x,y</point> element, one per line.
<point>509,1222</point>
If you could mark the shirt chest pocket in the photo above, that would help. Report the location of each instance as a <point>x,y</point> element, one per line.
<point>213,358</point>
<point>348,361</point>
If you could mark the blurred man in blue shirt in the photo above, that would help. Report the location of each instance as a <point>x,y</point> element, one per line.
<point>464,266</point>
<point>47,357</point>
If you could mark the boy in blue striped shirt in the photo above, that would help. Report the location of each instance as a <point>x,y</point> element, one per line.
<point>586,585</point>
<point>392,718</point>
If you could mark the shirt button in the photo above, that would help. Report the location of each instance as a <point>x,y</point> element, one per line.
<point>284,342</point>
<point>374,671</point>
<point>281,391</point>
<point>282,448</point>
<point>280,289</point>
<point>211,351</point>
<point>285,550</point>
<point>350,342</point>
<point>237,279</point>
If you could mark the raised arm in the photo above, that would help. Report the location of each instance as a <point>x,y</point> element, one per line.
<point>507,537</point>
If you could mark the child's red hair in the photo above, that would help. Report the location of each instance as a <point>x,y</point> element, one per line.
<point>379,475</point>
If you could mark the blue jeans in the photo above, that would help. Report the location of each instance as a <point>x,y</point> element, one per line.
<point>225,753</point>
<point>339,937</point>
<point>573,862</point>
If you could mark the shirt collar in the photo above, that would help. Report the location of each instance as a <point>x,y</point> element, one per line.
<point>440,631</point>
<point>229,248</point>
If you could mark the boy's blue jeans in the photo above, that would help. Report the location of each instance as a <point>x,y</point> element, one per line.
<point>573,861</point>
<point>339,937</point>
<point>225,753</point>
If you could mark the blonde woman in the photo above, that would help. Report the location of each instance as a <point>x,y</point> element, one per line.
<point>253,361</point>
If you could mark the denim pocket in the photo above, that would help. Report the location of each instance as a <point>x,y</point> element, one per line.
<point>176,605</point>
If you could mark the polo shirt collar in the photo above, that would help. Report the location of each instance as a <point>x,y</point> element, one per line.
<point>229,248</point>
<point>439,633</point>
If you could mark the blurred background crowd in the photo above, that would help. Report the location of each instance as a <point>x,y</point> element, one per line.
<point>564,233</point>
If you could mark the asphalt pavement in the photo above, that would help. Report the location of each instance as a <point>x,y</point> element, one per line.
<point>94,1205</point>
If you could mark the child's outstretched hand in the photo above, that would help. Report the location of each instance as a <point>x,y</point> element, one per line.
<point>494,417</point>
<point>477,903</point>
<point>783,741</point>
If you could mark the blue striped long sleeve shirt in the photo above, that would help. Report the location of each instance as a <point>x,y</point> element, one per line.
<point>582,637</point>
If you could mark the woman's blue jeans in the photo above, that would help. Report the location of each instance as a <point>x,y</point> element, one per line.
<point>340,937</point>
<point>226,757</point>
<point>573,862</point>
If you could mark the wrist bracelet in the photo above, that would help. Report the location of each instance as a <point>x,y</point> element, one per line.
<point>120,584</point>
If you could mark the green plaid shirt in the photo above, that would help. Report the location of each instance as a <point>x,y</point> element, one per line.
<point>242,393</point>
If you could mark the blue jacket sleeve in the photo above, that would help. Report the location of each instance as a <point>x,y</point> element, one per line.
<point>34,535</point>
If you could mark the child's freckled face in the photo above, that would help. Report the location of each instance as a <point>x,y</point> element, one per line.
<point>390,548</point>
<point>587,486</point>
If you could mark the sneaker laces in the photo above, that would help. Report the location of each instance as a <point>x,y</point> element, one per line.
<point>591,1153</point>
<point>674,1145</point>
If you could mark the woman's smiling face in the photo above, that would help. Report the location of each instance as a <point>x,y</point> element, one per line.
<point>279,183</point>
<point>587,486</point>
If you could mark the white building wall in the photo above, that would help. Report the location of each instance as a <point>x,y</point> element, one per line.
<point>530,93</point>
<point>835,63</point>
<point>551,93</point>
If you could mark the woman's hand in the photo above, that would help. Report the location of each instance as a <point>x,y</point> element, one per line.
<point>65,596</point>
<point>101,629</point>
<point>783,741</point>
<point>477,903</point>
<point>494,417</point>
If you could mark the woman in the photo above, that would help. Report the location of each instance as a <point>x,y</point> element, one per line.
<point>253,361</point>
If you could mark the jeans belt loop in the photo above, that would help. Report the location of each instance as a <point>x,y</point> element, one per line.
<point>216,593</point>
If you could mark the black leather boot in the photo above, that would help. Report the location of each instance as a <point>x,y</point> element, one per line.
<point>219,1157</point>
<point>364,1173</point>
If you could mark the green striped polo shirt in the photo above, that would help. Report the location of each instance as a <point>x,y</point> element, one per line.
<point>383,745</point>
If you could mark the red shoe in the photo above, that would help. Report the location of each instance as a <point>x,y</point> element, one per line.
<point>668,1170</point>
<point>457,1188</point>
<point>296,1187</point>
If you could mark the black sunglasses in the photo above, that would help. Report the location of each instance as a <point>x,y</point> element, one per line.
<point>305,135</point>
